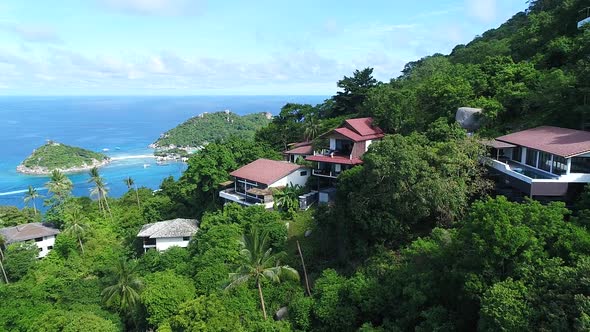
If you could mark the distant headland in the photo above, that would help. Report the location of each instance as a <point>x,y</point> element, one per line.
<point>190,136</point>
<point>65,158</point>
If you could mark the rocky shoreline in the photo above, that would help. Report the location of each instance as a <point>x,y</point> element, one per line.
<point>38,170</point>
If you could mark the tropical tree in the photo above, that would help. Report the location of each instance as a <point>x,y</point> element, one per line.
<point>2,244</point>
<point>30,196</point>
<point>258,263</point>
<point>312,128</point>
<point>75,224</point>
<point>125,291</point>
<point>100,190</point>
<point>287,199</point>
<point>59,185</point>
<point>131,184</point>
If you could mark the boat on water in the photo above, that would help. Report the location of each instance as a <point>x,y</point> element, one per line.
<point>105,150</point>
<point>117,148</point>
<point>146,165</point>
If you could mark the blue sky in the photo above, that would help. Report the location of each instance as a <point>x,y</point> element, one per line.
<point>205,47</point>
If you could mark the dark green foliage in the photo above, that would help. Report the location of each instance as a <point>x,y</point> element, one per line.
<point>56,155</point>
<point>12,216</point>
<point>211,127</point>
<point>19,259</point>
<point>164,292</point>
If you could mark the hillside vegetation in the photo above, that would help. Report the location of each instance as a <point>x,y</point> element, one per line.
<point>55,155</point>
<point>209,127</point>
<point>412,242</point>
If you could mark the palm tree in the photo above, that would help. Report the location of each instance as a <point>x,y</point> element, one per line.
<point>131,184</point>
<point>75,225</point>
<point>125,290</point>
<point>288,198</point>
<point>100,190</point>
<point>258,262</point>
<point>2,244</point>
<point>59,185</point>
<point>30,196</point>
<point>312,128</point>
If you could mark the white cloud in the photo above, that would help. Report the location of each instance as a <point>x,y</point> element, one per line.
<point>483,10</point>
<point>33,33</point>
<point>156,7</point>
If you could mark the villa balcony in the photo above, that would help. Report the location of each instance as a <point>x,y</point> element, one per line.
<point>527,179</point>
<point>247,199</point>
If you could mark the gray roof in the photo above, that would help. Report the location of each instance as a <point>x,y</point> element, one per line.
<point>27,232</point>
<point>170,228</point>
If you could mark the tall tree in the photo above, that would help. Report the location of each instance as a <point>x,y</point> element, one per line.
<point>59,185</point>
<point>130,183</point>
<point>125,291</point>
<point>76,224</point>
<point>354,92</point>
<point>100,190</point>
<point>258,263</point>
<point>2,244</point>
<point>30,196</point>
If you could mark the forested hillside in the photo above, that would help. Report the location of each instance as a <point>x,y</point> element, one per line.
<point>415,240</point>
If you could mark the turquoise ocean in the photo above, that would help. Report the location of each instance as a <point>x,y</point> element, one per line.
<point>121,126</point>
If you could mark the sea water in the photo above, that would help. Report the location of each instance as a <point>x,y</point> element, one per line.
<point>121,126</point>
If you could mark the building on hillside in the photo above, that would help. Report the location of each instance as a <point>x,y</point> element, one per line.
<point>298,151</point>
<point>544,161</point>
<point>253,183</point>
<point>169,233</point>
<point>347,144</point>
<point>42,234</point>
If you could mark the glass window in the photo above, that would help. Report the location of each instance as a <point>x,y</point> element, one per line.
<point>50,247</point>
<point>186,238</point>
<point>531,157</point>
<point>303,173</point>
<point>580,165</point>
<point>39,239</point>
<point>517,154</point>
<point>559,165</point>
<point>544,161</point>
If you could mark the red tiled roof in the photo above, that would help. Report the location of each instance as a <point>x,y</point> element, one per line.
<point>558,141</point>
<point>363,126</point>
<point>497,144</point>
<point>344,160</point>
<point>304,148</point>
<point>265,171</point>
<point>360,129</point>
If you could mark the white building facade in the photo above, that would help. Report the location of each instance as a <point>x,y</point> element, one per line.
<point>164,235</point>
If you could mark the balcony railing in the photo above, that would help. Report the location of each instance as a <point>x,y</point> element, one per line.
<point>325,172</point>
<point>332,153</point>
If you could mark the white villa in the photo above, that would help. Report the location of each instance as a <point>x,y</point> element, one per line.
<point>43,235</point>
<point>543,161</point>
<point>253,183</point>
<point>170,233</point>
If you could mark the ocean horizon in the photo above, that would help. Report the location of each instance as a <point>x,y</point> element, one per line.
<point>120,126</point>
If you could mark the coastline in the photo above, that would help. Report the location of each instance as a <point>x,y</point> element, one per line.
<point>38,170</point>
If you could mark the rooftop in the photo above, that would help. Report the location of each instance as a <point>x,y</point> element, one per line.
<point>558,141</point>
<point>303,148</point>
<point>265,171</point>
<point>27,232</point>
<point>170,228</point>
<point>359,129</point>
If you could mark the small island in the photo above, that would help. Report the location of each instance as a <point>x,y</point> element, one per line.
<point>183,140</point>
<point>65,158</point>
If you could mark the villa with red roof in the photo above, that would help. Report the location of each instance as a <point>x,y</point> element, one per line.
<point>347,144</point>
<point>544,161</point>
<point>298,151</point>
<point>253,183</point>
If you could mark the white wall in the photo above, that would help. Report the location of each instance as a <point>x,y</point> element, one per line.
<point>367,143</point>
<point>295,178</point>
<point>48,241</point>
<point>167,242</point>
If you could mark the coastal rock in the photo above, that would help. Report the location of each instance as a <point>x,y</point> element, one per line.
<point>37,170</point>
<point>281,313</point>
<point>469,118</point>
